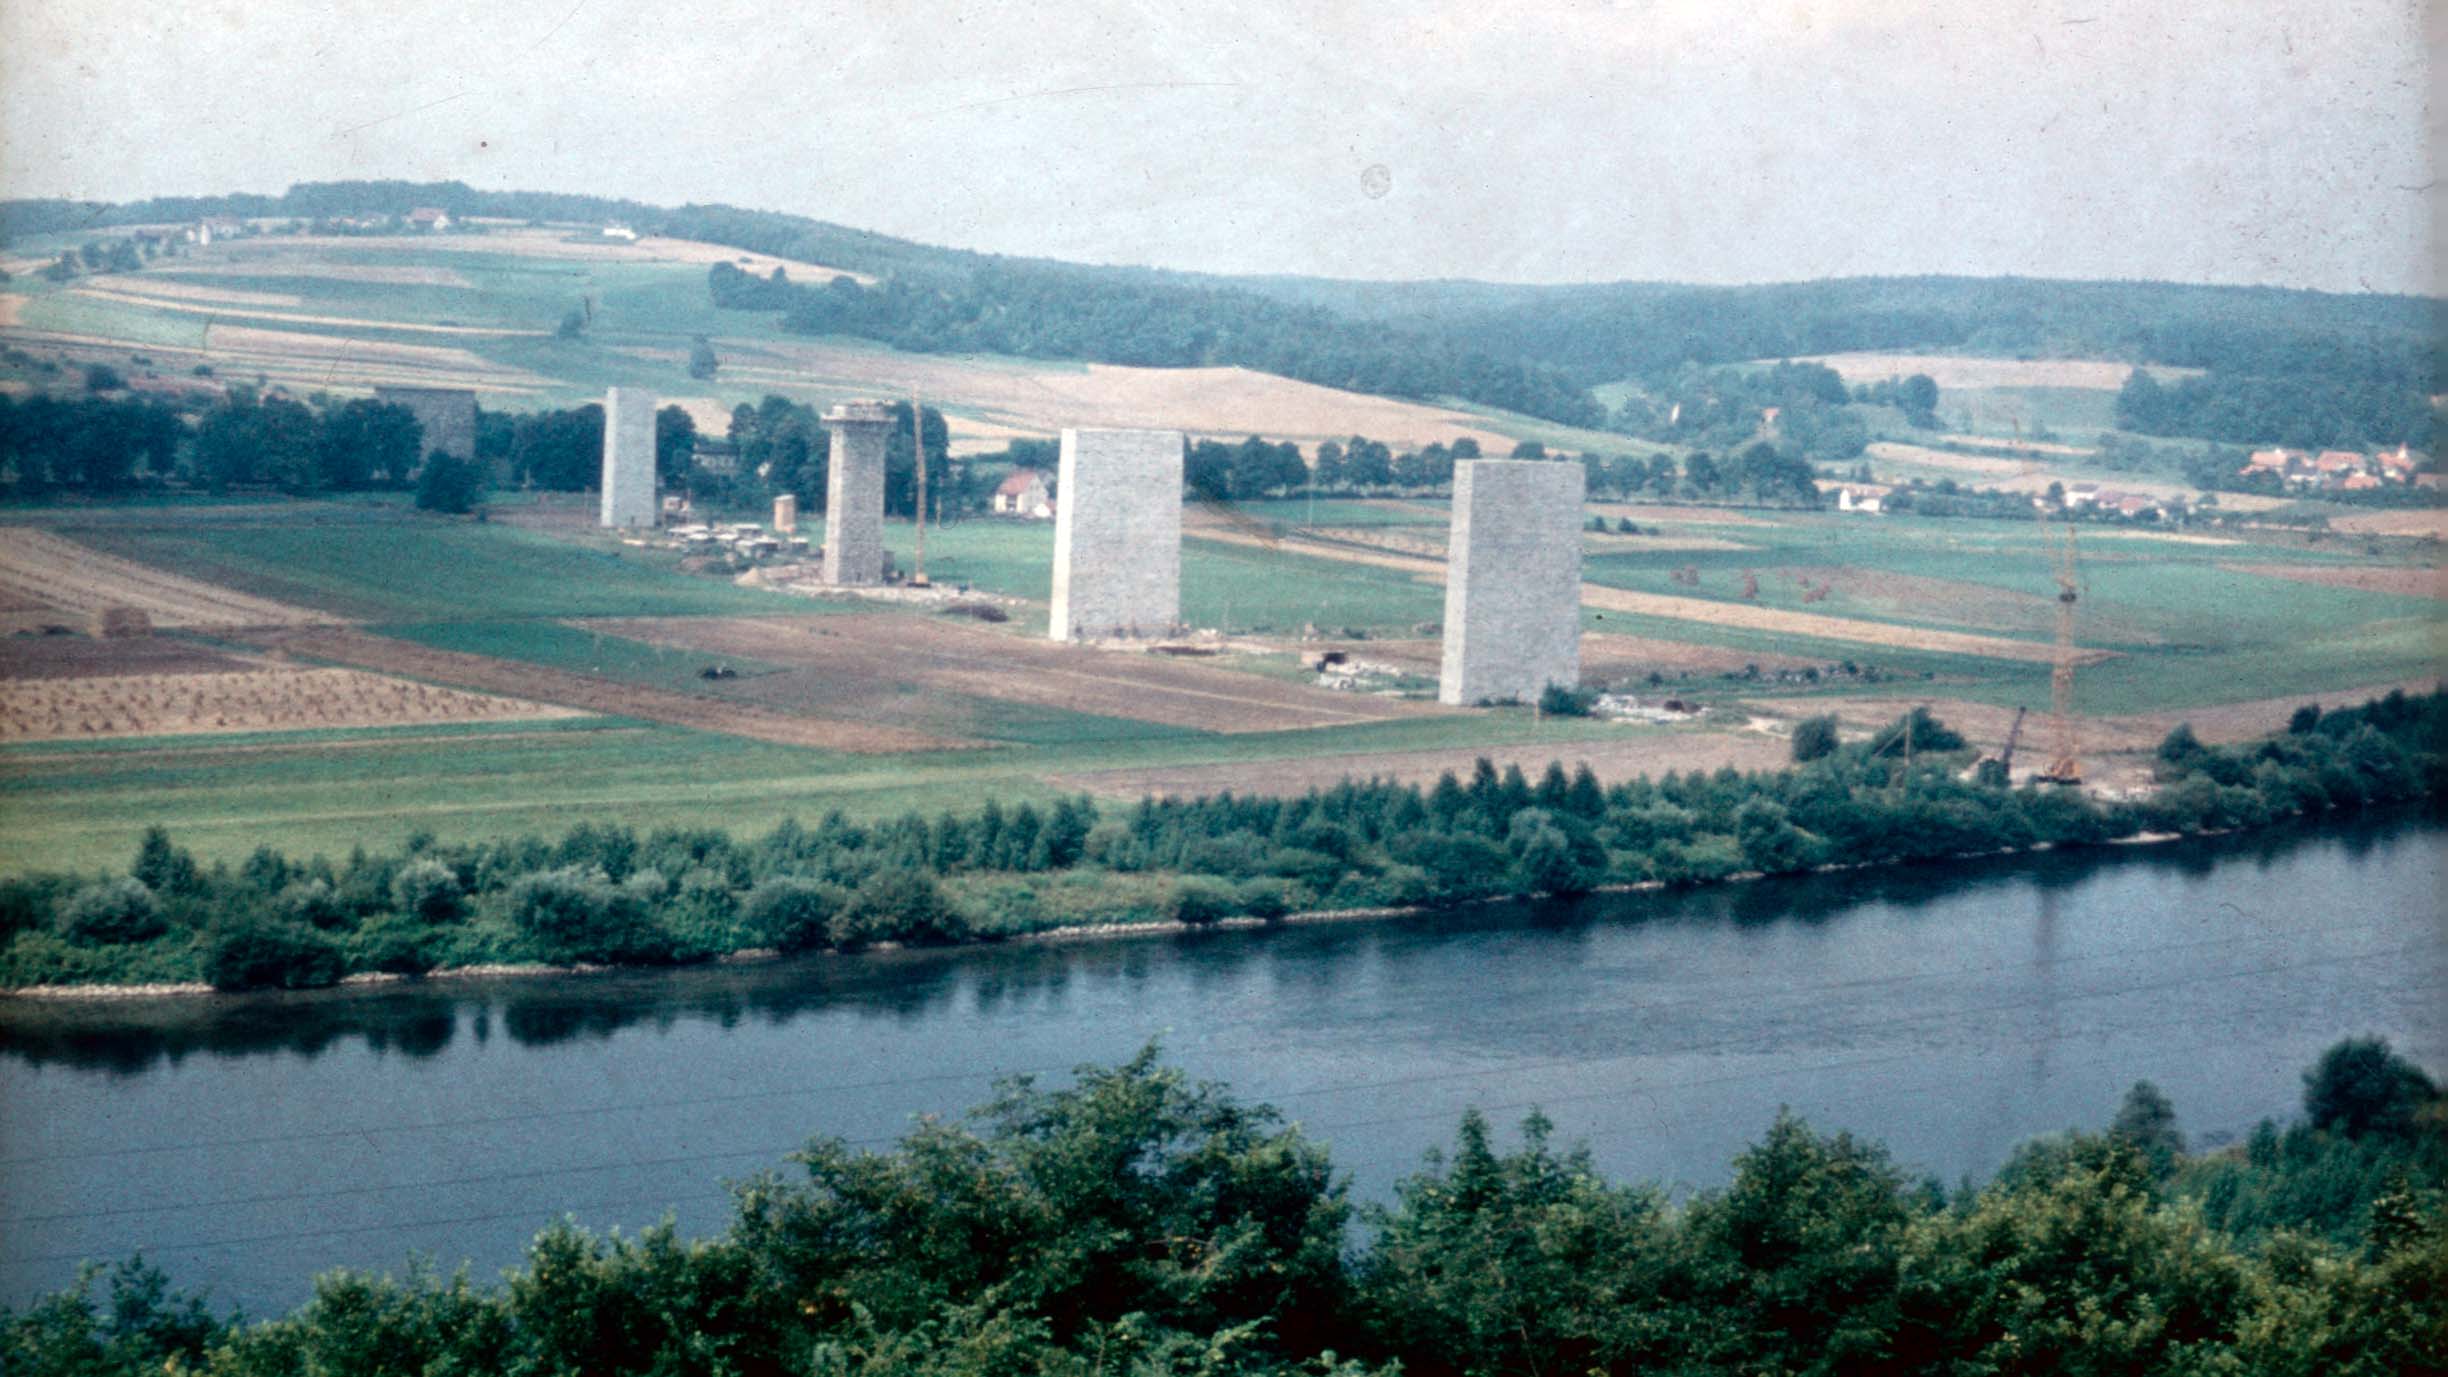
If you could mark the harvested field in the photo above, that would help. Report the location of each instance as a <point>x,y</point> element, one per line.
<point>54,572</point>
<point>333,361</point>
<point>606,696</point>
<point>1000,399</point>
<point>1978,465</point>
<point>1956,371</point>
<point>81,657</point>
<point>321,269</point>
<point>2404,581</point>
<point>151,287</point>
<point>2005,443</point>
<point>562,244</point>
<point>1954,600</point>
<point>1640,751</point>
<point>845,659</point>
<point>2422,523</point>
<point>57,709</point>
<point>1743,615</point>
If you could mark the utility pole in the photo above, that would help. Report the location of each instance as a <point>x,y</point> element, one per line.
<point>918,447</point>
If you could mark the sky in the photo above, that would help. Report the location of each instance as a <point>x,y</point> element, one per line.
<point>2283,142</point>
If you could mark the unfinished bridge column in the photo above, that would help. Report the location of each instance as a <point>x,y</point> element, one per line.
<point>854,493</point>
<point>1512,581</point>
<point>1117,534</point>
<point>628,458</point>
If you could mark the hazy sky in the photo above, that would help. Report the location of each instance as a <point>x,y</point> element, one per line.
<point>2280,141</point>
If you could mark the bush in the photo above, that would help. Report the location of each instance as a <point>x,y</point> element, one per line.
<point>312,903</point>
<point>449,484</point>
<point>1263,898</point>
<point>897,905</point>
<point>114,911</point>
<point>1198,900</point>
<point>1814,738</point>
<point>575,915</point>
<point>400,944</point>
<point>428,891</point>
<point>793,913</point>
<point>1555,700</point>
<point>255,954</point>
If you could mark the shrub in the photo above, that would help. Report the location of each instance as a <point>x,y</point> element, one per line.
<point>1814,738</point>
<point>2359,1086</point>
<point>114,911</point>
<point>1555,700</point>
<point>312,903</point>
<point>254,954</point>
<point>574,914</point>
<point>1198,900</point>
<point>897,904</point>
<point>793,913</point>
<point>398,943</point>
<point>428,891</point>
<point>1263,898</point>
<point>449,484</point>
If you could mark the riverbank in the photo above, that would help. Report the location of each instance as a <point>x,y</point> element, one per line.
<point>606,897</point>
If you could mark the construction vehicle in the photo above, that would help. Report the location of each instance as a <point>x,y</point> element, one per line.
<point>2064,743</point>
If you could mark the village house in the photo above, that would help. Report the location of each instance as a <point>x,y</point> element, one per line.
<point>621,232</point>
<point>1024,494</point>
<point>429,218</point>
<point>2290,466</point>
<point>2081,495</point>
<point>2125,504</point>
<point>1848,500</point>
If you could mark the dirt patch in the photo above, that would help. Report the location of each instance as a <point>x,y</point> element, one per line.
<point>52,571</point>
<point>81,657</point>
<point>861,662</point>
<point>1954,371</point>
<point>1922,456</point>
<point>10,305</point>
<point>1853,589</point>
<point>56,709</point>
<point>601,695</point>
<point>2431,582</point>
<point>1639,751</point>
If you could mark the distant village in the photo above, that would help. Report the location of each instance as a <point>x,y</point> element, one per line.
<point>2340,470</point>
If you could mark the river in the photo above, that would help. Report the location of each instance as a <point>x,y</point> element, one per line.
<point>1948,1011</point>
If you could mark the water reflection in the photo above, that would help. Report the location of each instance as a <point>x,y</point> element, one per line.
<point>421,1019</point>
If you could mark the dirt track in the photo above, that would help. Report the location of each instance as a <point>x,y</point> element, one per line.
<point>845,659</point>
<point>46,570</point>
<point>607,696</point>
<point>1641,751</point>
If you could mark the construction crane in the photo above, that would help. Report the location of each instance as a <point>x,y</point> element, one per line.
<point>2064,748</point>
<point>2005,757</point>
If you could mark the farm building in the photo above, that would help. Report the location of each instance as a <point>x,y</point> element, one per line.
<point>621,232</point>
<point>1024,494</point>
<point>1849,500</point>
<point>429,218</point>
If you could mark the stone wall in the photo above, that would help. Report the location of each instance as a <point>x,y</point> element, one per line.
<point>628,458</point>
<point>447,414</point>
<point>854,493</point>
<point>1117,534</point>
<point>1512,581</point>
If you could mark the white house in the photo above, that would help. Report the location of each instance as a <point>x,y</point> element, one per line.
<point>1024,494</point>
<point>1847,500</point>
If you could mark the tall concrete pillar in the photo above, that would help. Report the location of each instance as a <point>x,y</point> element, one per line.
<point>629,458</point>
<point>1117,534</point>
<point>1512,581</point>
<point>854,493</point>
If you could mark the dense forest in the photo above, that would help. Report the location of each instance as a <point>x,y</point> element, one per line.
<point>1135,1223</point>
<point>2371,360</point>
<point>603,894</point>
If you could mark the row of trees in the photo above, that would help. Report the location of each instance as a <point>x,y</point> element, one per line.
<point>607,894</point>
<point>1136,1222</point>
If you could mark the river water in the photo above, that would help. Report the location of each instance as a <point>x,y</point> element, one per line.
<point>1949,1011</point>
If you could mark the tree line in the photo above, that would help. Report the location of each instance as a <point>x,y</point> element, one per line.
<point>1136,1222</point>
<point>607,894</point>
<point>2304,409</point>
